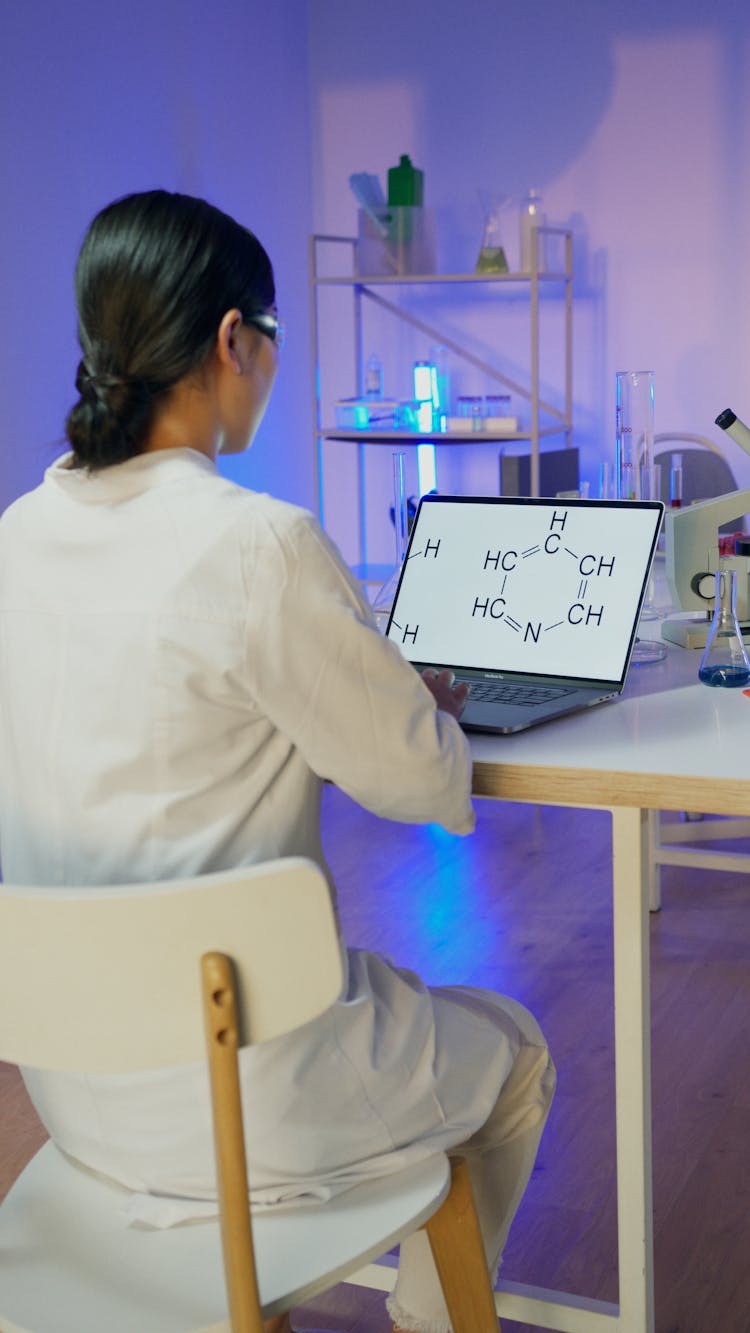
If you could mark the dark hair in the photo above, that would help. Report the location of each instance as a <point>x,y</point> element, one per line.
<point>156,273</point>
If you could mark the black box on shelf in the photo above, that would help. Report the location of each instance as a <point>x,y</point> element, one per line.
<point>558,471</point>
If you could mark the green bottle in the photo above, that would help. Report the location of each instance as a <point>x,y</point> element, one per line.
<point>405,184</point>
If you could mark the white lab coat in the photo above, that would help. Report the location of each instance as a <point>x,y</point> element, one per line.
<point>182,663</point>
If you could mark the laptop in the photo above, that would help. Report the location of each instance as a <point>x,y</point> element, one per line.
<point>534,603</point>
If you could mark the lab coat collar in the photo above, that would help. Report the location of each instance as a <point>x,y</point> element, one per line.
<point>122,480</point>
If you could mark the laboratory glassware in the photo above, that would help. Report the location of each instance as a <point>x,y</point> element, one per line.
<point>725,662</point>
<point>675,482</point>
<point>607,480</point>
<point>634,429</point>
<point>373,377</point>
<point>383,600</point>
<point>650,489</point>
<point>531,217</point>
<point>497,404</point>
<point>492,258</point>
<point>470,407</point>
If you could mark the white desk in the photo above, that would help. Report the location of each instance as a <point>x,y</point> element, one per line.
<point>667,743</point>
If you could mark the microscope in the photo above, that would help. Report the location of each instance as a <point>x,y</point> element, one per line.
<point>692,555</point>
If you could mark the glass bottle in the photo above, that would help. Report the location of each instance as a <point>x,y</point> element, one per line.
<point>724,661</point>
<point>532,256</point>
<point>374,377</point>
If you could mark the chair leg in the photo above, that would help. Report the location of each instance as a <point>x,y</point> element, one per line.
<point>457,1248</point>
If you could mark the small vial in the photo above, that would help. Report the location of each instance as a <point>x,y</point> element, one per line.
<point>675,482</point>
<point>374,377</point>
<point>497,404</point>
<point>469,405</point>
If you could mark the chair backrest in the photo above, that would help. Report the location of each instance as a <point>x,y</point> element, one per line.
<point>705,471</point>
<point>106,961</point>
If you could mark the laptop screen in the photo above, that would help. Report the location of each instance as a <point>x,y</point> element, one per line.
<point>542,587</point>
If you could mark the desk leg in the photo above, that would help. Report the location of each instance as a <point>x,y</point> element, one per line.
<point>654,864</point>
<point>635,1313</point>
<point>630,862</point>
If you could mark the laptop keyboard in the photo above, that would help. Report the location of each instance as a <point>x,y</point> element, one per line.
<point>513,692</point>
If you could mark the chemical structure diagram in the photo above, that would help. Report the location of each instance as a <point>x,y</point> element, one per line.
<point>521,570</point>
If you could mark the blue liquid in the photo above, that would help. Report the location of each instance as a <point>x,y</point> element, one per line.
<point>730,677</point>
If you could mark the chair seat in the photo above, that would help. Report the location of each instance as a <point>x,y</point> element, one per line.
<point>69,1264</point>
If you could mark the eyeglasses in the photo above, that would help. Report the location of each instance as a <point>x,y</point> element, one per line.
<point>269,324</point>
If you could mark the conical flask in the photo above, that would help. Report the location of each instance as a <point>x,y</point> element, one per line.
<point>492,251</point>
<point>724,661</point>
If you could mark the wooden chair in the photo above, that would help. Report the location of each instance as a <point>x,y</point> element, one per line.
<point>122,979</point>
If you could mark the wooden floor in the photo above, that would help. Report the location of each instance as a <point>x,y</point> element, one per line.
<point>523,906</point>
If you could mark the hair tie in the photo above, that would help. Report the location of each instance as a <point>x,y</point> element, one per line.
<point>91,384</point>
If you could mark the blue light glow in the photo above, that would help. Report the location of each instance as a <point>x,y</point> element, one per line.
<point>426,468</point>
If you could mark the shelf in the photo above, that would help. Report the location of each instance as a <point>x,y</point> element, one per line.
<point>377,291</point>
<point>439,437</point>
<point>403,279</point>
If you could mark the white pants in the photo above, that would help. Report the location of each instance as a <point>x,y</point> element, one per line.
<point>500,1157</point>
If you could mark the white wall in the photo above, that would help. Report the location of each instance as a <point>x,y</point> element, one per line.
<point>99,99</point>
<point>632,118</point>
<point>634,121</point>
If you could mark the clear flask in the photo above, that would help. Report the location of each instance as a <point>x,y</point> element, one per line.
<point>724,661</point>
<point>492,257</point>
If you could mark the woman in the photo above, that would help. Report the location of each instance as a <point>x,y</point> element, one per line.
<point>183,663</point>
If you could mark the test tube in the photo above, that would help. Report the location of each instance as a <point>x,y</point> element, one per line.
<point>626,482</point>
<point>497,404</point>
<point>607,480</point>
<point>675,482</point>
<point>651,481</point>
<point>400,517</point>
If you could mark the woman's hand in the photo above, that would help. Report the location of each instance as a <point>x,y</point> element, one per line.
<point>449,697</point>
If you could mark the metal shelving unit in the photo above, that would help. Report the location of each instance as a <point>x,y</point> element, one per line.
<point>545,419</point>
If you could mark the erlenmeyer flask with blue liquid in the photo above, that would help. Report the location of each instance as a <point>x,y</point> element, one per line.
<point>725,662</point>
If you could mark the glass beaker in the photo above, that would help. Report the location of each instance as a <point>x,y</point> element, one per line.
<point>492,251</point>
<point>724,661</point>
<point>383,600</point>
<point>634,429</point>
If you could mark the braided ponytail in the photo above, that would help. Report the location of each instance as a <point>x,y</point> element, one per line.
<point>156,274</point>
<point>109,420</point>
